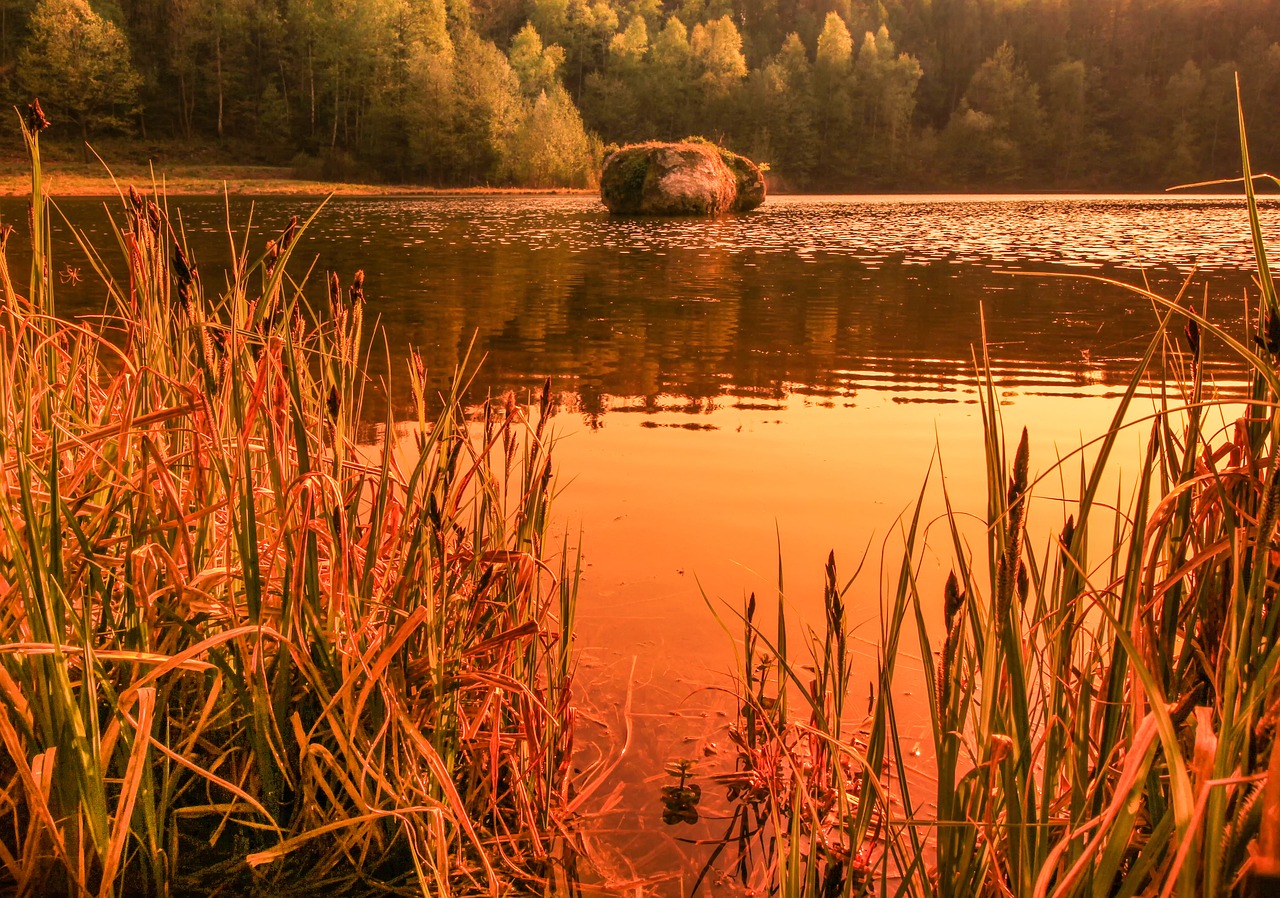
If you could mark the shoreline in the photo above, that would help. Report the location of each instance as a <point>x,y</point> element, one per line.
<point>216,180</point>
<point>89,180</point>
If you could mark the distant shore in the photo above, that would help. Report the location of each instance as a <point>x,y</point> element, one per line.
<point>78,179</point>
<point>213,180</point>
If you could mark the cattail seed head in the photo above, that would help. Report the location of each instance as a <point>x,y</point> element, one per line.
<point>36,120</point>
<point>290,232</point>
<point>1192,332</point>
<point>184,277</point>
<point>1021,462</point>
<point>1004,587</point>
<point>1269,328</point>
<point>953,600</point>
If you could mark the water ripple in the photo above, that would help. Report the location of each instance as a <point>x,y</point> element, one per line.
<point>1138,232</point>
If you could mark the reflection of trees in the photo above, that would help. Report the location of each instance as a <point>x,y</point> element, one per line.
<point>703,324</point>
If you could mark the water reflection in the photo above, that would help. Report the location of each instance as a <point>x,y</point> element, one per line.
<point>782,381</point>
<point>821,297</point>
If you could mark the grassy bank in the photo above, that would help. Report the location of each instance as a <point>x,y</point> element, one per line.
<point>1103,706</point>
<point>239,652</point>
<point>79,179</point>
<point>195,170</point>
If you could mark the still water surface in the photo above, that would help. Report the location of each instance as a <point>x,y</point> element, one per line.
<point>777,384</point>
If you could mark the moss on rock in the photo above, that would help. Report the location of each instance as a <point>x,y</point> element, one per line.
<point>689,178</point>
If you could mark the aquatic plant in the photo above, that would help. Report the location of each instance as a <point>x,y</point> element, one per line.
<point>238,648</point>
<point>1103,709</point>
<point>804,788</point>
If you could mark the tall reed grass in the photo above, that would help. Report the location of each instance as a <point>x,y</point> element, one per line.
<point>1104,708</point>
<point>238,650</point>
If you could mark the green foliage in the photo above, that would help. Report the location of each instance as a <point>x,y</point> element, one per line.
<point>884,92</point>
<point>535,65</point>
<point>78,63</point>
<point>782,110</point>
<point>833,93</point>
<point>549,146</point>
<point>623,176</point>
<point>628,47</point>
<point>717,53</point>
<point>847,94</point>
<point>995,135</point>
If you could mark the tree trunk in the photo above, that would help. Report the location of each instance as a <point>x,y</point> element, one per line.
<point>217,46</point>
<point>337,94</point>
<point>184,109</point>
<point>284,91</point>
<point>311,80</point>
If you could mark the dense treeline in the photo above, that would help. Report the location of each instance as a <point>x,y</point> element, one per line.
<point>834,94</point>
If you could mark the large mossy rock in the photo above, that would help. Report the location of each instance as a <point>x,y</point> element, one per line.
<point>690,178</point>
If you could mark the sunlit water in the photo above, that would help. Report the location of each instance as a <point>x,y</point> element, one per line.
<point>760,387</point>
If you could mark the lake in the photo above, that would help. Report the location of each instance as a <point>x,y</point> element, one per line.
<point>734,392</point>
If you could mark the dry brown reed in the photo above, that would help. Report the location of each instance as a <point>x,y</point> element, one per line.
<point>238,649</point>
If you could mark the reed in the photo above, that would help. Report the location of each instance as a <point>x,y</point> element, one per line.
<point>239,649</point>
<point>1104,708</point>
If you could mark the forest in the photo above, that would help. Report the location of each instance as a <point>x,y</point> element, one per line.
<point>834,95</point>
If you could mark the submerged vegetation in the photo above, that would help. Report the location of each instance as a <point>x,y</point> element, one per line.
<point>1103,708</point>
<point>237,649</point>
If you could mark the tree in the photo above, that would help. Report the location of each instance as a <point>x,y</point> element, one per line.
<point>535,65</point>
<point>1075,142</point>
<point>628,48</point>
<point>223,23</point>
<point>78,64</point>
<point>884,99</point>
<point>717,48</point>
<point>429,109</point>
<point>1000,123</point>
<point>976,150</point>
<point>1049,93</point>
<point>488,107</point>
<point>670,65</point>
<point>615,96</point>
<point>183,49</point>
<point>1183,93</point>
<point>649,10</point>
<point>780,111</point>
<point>721,67</point>
<point>550,147</point>
<point>833,90</point>
<point>582,27</point>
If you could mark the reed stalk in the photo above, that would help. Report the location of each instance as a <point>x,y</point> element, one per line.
<point>1104,708</point>
<point>239,649</point>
